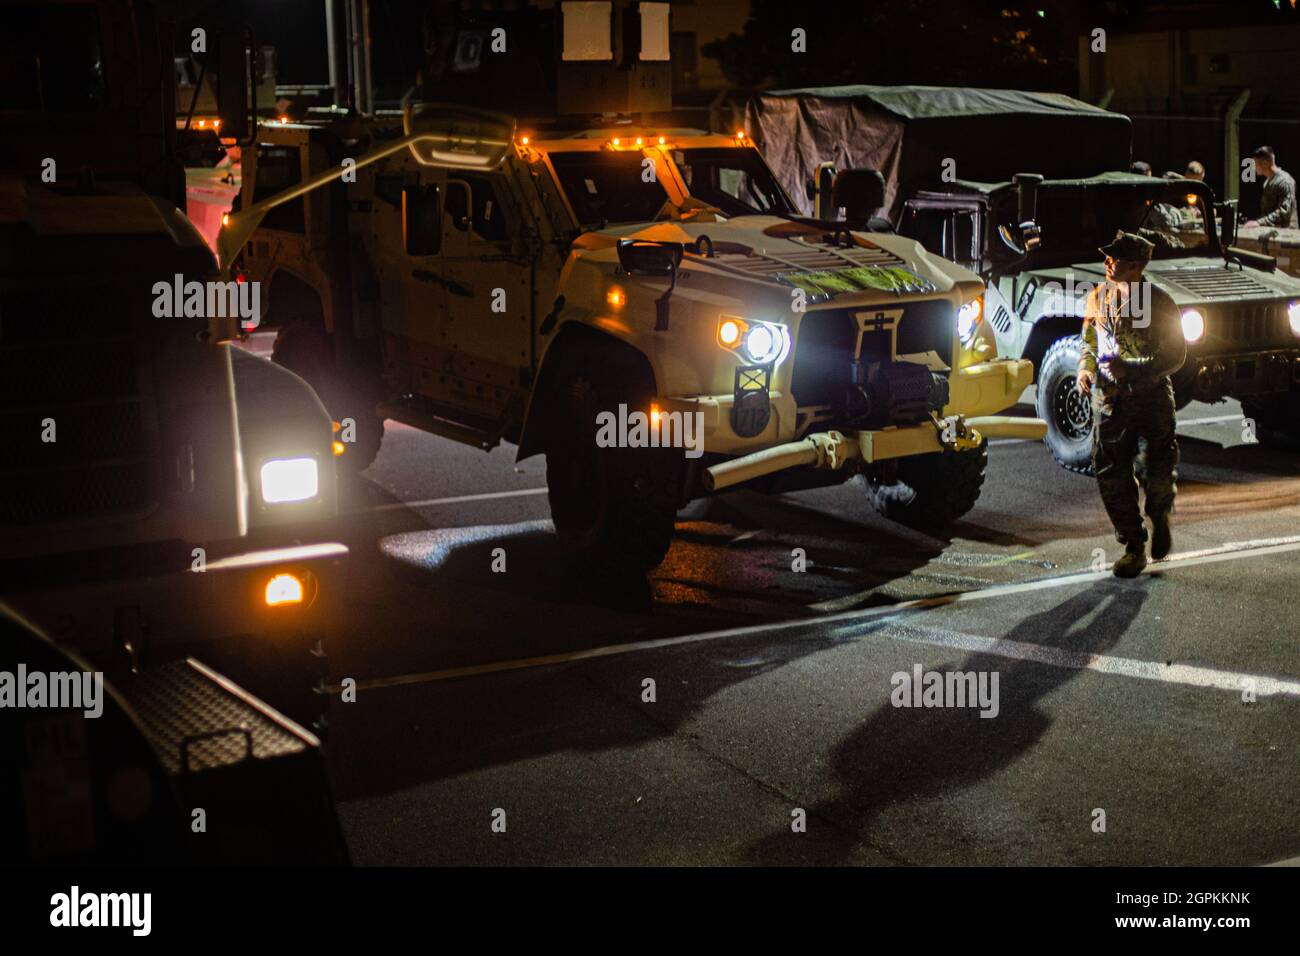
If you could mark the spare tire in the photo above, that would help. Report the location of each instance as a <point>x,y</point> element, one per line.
<point>932,491</point>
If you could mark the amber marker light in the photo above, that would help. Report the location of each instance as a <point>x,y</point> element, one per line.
<point>225,218</point>
<point>338,447</point>
<point>730,331</point>
<point>654,415</point>
<point>616,297</point>
<point>1191,199</point>
<point>662,140</point>
<point>283,589</point>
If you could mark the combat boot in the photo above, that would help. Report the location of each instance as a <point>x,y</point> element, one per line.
<point>1162,539</point>
<point>1132,562</point>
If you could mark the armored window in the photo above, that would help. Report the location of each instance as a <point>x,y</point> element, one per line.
<point>488,219</point>
<point>608,186</point>
<point>421,221</point>
<point>279,168</point>
<point>737,181</point>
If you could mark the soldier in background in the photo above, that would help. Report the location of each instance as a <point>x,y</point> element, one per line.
<point>1126,363</point>
<point>1277,205</point>
<point>1195,171</point>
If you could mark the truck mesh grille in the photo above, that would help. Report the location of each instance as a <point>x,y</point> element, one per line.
<point>1217,283</point>
<point>68,356</point>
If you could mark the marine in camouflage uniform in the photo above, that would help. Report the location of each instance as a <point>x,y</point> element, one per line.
<point>1128,358</point>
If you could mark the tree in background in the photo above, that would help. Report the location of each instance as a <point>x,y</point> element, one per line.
<point>1024,46</point>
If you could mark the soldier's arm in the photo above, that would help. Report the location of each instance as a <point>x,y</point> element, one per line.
<point>1088,360</point>
<point>1281,216</point>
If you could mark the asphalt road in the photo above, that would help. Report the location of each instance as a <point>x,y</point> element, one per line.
<point>525,691</point>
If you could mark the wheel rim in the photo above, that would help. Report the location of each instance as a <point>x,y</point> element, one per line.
<point>1072,410</point>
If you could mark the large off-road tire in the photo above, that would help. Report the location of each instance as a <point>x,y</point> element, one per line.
<point>1066,410</point>
<point>613,507</point>
<point>303,349</point>
<point>1277,420</point>
<point>932,491</point>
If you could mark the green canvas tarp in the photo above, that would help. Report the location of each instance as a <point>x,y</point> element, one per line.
<point>907,132</point>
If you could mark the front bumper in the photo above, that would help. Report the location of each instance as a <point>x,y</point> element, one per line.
<point>976,390</point>
<point>227,599</point>
<point>1213,377</point>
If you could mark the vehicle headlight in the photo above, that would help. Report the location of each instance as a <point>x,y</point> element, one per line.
<point>289,479</point>
<point>1193,325</point>
<point>967,316</point>
<point>760,343</point>
<point>1293,316</point>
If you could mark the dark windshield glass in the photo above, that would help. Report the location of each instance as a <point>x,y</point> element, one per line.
<point>608,186</point>
<point>735,180</point>
<point>50,59</point>
<point>1175,222</point>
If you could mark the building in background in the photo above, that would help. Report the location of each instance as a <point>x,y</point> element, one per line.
<point>1206,82</point>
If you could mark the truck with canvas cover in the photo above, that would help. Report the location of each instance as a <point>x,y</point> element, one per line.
<point>1031,220</point>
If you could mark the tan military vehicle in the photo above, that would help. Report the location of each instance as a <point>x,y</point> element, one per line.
<point>516,287</point>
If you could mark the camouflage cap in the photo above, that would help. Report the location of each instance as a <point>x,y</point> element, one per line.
<point>1128,246</point>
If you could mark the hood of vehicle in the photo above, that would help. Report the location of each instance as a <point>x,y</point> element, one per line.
<point>779,252</point>
<point>1212,281</point>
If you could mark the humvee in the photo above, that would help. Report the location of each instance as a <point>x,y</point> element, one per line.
<point>518,297</point>
<point>1240,316</point>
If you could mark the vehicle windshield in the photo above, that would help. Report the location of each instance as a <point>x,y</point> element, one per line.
<point>50,59</point>
<point>608,186</point>
<point>735,180</point>
<point>1175,223</point>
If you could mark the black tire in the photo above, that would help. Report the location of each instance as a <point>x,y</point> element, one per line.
<point>1068,413</point>
<point>1277,420</point>
<point>932,491</point>
<point>613,507</point>
<point>303,349</point>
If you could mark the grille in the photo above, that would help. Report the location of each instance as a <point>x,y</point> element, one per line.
<point>1256,325</point>
<point>823,355</point>
<point>68,355</point>
<point>1218,283</point>
<point>800,257</point>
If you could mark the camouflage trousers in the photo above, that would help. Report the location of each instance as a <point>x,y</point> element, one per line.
<point>1133,445</point>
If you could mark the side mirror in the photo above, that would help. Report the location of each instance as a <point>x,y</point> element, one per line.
<point>861,192</point>
<point>1227,213</point>
<point>644,257</point>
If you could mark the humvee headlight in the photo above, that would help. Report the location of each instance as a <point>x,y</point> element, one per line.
<point>1193,326</point>
<point>1293,316</point>
<point>967,316</point>
<point>289,479</point>
<point>766,343</point>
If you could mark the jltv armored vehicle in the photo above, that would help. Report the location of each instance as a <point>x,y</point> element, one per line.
<point>488,281</point>
<point>1239,315</point>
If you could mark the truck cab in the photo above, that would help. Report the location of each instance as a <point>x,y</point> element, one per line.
<point>160,489</point>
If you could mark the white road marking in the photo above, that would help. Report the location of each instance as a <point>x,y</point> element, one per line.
<point>459,499</point>
<point>1213,420</point>
<point>1185,674</point>
<point>1227,552</point>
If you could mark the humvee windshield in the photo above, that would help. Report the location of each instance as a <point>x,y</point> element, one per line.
<point>608,186</point>
<point>1175,223</point>
<point>1078,218</point>
<point>737,181</point>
